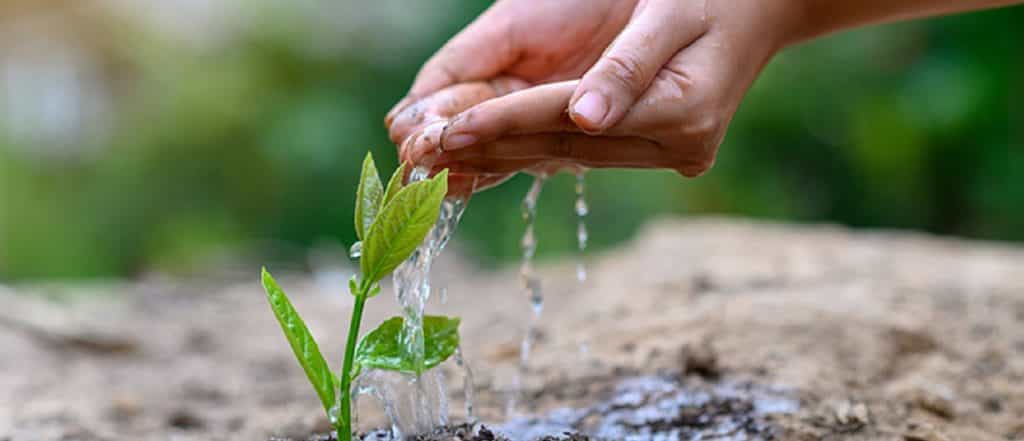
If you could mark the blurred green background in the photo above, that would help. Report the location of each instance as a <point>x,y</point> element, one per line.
<point>166,136</point>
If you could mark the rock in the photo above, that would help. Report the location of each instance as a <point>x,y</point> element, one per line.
<point>124,408</point>
<point>185,420</point>
<point>699,359</point>
<point>934,401</point>
<point>923,432</point>
<point>849,413</point>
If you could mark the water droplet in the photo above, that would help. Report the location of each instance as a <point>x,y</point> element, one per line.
<point>582,210</point>
<point>356,251</point>
<point>584,349</point>
<point>418,174</point>
<point>333,414</point>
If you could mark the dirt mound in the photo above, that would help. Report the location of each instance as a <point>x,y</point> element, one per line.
<point>871,335</point>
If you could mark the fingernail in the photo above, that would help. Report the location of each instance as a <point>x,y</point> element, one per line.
<point>458,141</point>
<point>591,107</point>
<point>398,107</point>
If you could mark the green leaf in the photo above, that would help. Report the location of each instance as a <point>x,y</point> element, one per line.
<point>395,184</point>
<point>368,197</point>
<point>401,226</point>
<point>302,342</point>
<point>382,347</point>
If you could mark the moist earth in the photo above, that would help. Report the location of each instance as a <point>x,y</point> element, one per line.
<point>845,335</point>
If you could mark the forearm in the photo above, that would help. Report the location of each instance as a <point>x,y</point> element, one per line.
<point>822,17</point>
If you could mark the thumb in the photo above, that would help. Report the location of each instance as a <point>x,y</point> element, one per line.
<point>480,51</point>
<point>628,67</point>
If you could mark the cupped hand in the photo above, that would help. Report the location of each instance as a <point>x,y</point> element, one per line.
<point>677,122</point>
<point>538,41</point>
<point>616,46</point>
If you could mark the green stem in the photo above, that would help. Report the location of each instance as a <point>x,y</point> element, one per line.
<point>345,417</point>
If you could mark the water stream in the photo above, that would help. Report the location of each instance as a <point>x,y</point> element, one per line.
<point>417,403</point>
<point>581,209</point>
<point>530,284</point>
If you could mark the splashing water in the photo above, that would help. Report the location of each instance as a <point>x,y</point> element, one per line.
<point>581,209</point>
<point>531,287</point>
<point>414,404</point>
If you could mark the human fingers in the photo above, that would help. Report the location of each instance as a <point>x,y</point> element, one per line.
<point>482,50</point>
<point>538,109</point>
<point>658,30</point>
<point>521,152</point>
<point>447,103</point>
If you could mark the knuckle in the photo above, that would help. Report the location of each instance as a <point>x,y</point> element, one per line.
<point>698,145</point>
<point>627,69</point>
<point>705,130</point>
<point>698,166</point>
<point>678,79</point>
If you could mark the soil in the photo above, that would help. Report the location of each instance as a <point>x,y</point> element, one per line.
<point>735,329</point>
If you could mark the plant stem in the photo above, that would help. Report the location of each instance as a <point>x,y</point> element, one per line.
<point>345,412</point>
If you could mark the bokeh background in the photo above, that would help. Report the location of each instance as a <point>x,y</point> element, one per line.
<point>180,136</point>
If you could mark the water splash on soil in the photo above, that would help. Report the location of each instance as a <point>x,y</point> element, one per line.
<point>664,409</point>
<point>413,404</point>
<point>652,408</point>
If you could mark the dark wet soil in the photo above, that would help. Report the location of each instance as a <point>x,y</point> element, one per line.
<point>663,408</point>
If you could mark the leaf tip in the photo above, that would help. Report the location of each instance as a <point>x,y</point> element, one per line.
<point>265,277</point>
<point>442,180</point>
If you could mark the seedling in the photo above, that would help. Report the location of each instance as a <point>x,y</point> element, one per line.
<point>390,223</point>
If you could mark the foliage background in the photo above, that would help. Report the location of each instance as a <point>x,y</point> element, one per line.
<point>235,134</point>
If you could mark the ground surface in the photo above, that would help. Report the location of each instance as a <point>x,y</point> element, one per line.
<point>877,336</point>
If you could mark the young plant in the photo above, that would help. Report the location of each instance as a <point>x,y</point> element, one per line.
<point>390,223</point>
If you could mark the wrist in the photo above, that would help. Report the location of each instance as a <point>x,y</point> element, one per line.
<point>793,22</point>
<point>764,26</point>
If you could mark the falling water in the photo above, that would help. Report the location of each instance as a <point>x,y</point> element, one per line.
<point>467,384</point>
<point>416,403</point>
<point>412,278</point>
<point>530,282</point>
<point>581,210</point>
<point>531,287</point>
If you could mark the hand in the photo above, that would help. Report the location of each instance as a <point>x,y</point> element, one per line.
<point>537,41</point>
<point>677,122</point>
<point>417,129</point>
